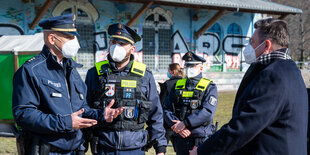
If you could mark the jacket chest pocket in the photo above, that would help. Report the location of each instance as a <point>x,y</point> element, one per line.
<point>80,91</point>
<point>54,88</point>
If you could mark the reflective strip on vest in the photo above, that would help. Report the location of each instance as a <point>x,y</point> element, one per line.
<point>203,84</point>
<point>138,68</point>
<point>99,64</point>
<point>180,84</point>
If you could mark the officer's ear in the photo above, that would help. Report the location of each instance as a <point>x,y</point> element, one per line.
<point>201,67</point>
<point>132,50</point>
<point>51,38</point>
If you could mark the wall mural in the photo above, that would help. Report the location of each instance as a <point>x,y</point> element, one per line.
<point>14,15</point>
<point>232,46</point>
<point>208,47</point>
<point>208,43</point>
<point>179,44</point>
<point>101,42</point>
<point>10,29</point>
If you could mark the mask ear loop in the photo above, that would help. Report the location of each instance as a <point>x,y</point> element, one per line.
<point>258,47</point>
<point>56,45</point>
<point>57,38</point>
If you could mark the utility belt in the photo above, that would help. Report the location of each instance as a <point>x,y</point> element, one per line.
<point>32,145</point>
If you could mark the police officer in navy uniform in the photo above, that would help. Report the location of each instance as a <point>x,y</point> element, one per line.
<point>49,96</point>
<point>270,113</point>
<point>127,81</point>
<point>190,106</point>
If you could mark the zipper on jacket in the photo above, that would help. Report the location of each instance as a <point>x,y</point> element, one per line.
<point>120,132</point>
<point>69,97</point>
<point>68,91</point>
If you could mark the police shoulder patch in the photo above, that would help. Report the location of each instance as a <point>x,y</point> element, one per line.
<point>212,100</point>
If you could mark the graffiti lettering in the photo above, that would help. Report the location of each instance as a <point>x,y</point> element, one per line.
<point>232,62</point>
<point>179,44</point>
<point>208,43</point>
<point>233,44</point>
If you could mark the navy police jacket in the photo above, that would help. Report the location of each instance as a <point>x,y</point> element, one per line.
<point>166,88</point>
<point>127,140</point>
<point>269,115</point>
<point>44,99</point>
<point>194,122</point>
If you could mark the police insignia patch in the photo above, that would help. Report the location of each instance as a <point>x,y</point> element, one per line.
<point>129,112</point>
<point>212,101</point>
<point>110,89</point>
<point>194,104</point>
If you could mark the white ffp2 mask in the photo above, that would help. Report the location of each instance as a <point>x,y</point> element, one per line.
<point>249,53</point>
<point>191,72</point>
<point>69,48</point>
<point>117,52</point>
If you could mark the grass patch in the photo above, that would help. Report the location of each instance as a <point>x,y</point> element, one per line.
<point>222,115</point>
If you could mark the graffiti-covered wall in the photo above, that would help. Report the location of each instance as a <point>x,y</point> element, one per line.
<point>167,32</point>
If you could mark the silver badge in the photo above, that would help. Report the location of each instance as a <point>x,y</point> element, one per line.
<point>110,89</point>
<point>212,100</point>
<point>129,112</point>
<point>56,95</point>
<point>194,104</point>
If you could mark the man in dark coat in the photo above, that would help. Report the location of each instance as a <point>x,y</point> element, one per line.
<point>270,113</point>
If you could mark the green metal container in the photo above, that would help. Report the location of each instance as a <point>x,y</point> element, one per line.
<point>6,84</point>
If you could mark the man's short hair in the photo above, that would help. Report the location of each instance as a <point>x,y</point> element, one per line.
<point>274,29</point>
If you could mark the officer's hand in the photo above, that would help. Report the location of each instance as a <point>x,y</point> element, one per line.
<point>184,133</point>
<point>178,126</point>
<point>79,122</point>
<point>194,151</point>
<point>162,153</point>
<point>110,114</point>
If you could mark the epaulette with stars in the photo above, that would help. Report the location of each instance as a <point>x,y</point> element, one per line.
<point>31,59</point>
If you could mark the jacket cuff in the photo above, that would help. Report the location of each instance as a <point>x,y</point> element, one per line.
<point>187,123</point>
<point>160,149</point>
<point>68,122</point>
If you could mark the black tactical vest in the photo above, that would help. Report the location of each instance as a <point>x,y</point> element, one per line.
<point>188,101</point>
<point>126,91</point>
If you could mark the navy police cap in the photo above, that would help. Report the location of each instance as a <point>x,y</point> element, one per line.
<point>64,24</point>
<point>192,59</point>
<point>123,33</point>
